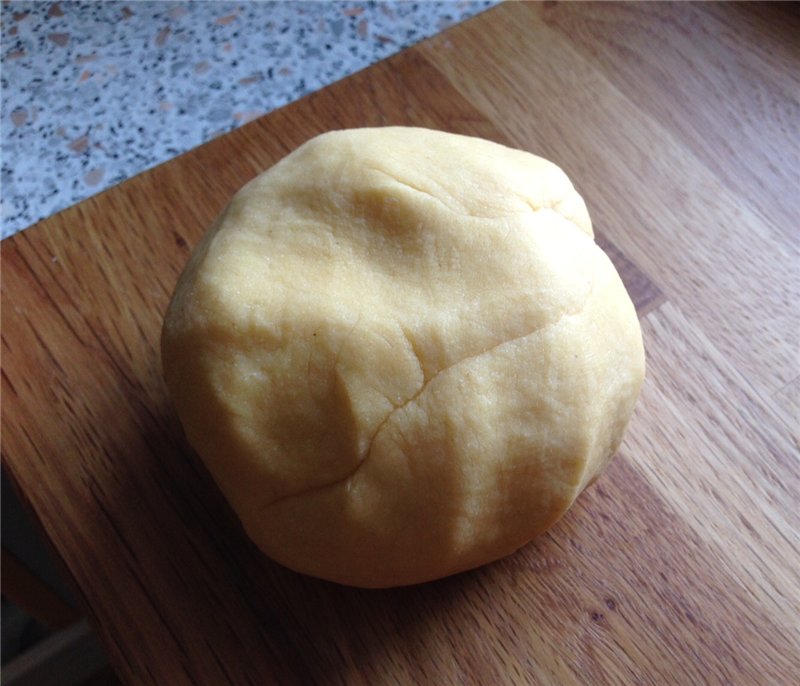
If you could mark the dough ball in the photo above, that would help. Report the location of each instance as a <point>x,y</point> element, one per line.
<point>401,354</point>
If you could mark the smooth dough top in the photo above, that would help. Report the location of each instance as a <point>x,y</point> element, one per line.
<point>401,354</point>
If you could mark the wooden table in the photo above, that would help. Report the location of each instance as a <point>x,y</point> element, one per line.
<point>680,124</point>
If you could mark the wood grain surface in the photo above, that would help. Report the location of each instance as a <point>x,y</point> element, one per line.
<point>680,125</point>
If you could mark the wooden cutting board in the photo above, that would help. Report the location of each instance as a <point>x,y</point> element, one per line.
<point>680,125</point>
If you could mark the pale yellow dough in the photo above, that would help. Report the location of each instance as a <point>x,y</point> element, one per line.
<point>401,354</point>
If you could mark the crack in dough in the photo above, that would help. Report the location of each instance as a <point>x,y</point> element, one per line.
<point>421,191</point>
<point>552,206</point>
<point>426,384</point>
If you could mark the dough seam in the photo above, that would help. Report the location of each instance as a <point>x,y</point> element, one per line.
<point>422,191</point>
<point>416,396</point>
<point>553,206</point>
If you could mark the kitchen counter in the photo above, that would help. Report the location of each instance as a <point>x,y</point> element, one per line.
<point>96,92</point>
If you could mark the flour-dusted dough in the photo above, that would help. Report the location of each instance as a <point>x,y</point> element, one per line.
<point>401,354</point>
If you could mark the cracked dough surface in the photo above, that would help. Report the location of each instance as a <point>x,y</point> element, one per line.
<point>401,354</point>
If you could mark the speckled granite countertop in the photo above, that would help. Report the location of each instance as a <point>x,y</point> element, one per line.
<point>95,92</point>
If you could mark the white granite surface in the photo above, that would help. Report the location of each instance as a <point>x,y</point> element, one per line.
<point>95,92</point>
